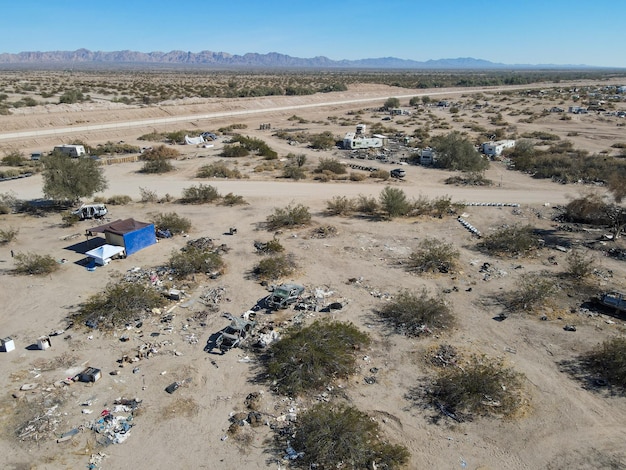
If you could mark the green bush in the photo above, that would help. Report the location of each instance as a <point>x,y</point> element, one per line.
<point>194,260</point>
<point>157,166</point>
<point>14,158</point>
<point>394,203</point>
<point>434,256</point>
<point>234,151</point>
<point>310,358</point>
<point>217,170</point>
<point>482,387</point>
<point>415,314</point>
<point>69,219</point>
<point>171,221</point>
<point>275,267</point>
<point>200,194</point>
<point>288,217</point>
<point>31,263</point>
<point>455,152</point>
<point>512,241</point>
<point>270,247</point>
<point>323,141</point>
<point>120,303</point>
<point>343,437</point>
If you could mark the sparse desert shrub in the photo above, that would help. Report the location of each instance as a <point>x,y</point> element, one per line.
<point>322,141</point>
<point>380,174</point>
<point>414,314</point>
<point>275,267</point>
<point>14,158</point>
<point>367,205</point>
<point>482,387</point>
<point>590,208</point>
<point>31,263</point>
<point>157,166</point>
<point>531,292</point>
<point>68,219</point>
<point>194,260</point>
<point>233,200</point>
<point>324,231</point>
<point>171,221</point>
<point>288,217</point>
<point>234,151</point>
<point>270,247</point>
<point>355,176</point>
<point>8,235</point>
<point>119,200</point>
<point>394,202</point>
<point>340,205</point>
<point>160,152</point>
<point>469,179</point>
<point>331,165</point>
<point>441,206</point>
<point>579,266</point>
<point>148,195</point>
<point>200,194</point>
<point>333,436</point>
<point>512,241</point>
<point>118,304</point>
<point>294,172</point>
<point>217,170</point>
<point>434,256</point>
<point>310,358</point>
<point>608,362</point>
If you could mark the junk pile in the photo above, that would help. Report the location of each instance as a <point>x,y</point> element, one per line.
<point>114,424</point>
<point>212,298</point>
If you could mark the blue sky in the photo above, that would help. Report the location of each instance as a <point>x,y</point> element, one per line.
<point>507,31</point>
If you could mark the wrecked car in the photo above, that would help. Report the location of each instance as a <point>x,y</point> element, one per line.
<point>284,295</point>
<point>234,334</point>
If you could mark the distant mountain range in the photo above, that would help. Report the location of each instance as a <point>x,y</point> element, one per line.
<point>251,60</point>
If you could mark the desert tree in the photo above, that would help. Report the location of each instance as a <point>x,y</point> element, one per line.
<point>69,179</point>
<point>391,103</point>
<point>455,152</point>
<point>394,202</point>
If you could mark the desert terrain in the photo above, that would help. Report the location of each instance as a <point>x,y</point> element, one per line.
<point>362,266</point>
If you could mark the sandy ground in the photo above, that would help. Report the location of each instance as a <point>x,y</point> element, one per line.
<point>564,425</point>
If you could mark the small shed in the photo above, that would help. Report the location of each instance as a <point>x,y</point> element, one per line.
<point>43,343</point>
<point>128,233</point>
<point>90,374</point>
<point>7,344</point>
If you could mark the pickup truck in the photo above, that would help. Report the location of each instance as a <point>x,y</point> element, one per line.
<point>284,295</point>
<point>615,300</point>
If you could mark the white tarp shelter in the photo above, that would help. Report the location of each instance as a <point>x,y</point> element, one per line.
<point>194,140</point>
<point>103,254</point>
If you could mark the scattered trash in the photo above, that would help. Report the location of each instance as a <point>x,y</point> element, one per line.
<point>569,328</point>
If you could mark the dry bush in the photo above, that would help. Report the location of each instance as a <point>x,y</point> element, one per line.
<point>608,362</point>
<point>288,217</point>
<point>31,263</point>
<point>171,221</point>
<point>118,304</point>
<point>148,195</point>
<point>416,313</point>
<point>579,266</point>
<point>160,152</point>
<point>531,292</point>
<point>217,170</point>
<point>340,205</point>
<point>331,436</point>
<point>511,241</point>
<point>275,267</point>
<point>434,256</point>
<point>118,200</point>
<point>310,358</point>
<point>200,194</point>
<point>380,174</point>
<point>8,235</point>
<point>480,387</point>
<point>233,200</point>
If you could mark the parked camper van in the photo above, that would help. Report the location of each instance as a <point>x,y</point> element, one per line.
<point>36,156</point>
<point>74,151</point>
<point>91,211</point>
